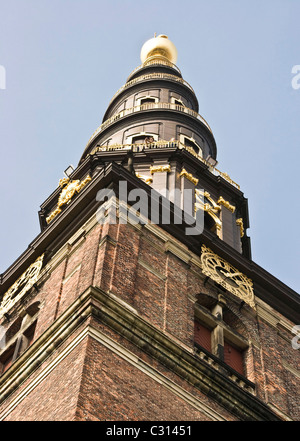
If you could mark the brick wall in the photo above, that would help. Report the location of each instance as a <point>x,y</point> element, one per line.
<point>162,284</point>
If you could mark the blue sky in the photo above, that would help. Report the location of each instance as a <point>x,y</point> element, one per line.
<point>65,59</point>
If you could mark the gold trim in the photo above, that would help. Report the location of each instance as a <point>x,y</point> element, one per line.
<point>63,182</point>
<point>212,208</point>
<point>155,62</point>
<point>240,224</point>
<point>164,144</point>
<point>221,201</point>
<point>69,188</point>
<point>145,107</point>
<point>189,176</point>
<point>144,178</point>
<point>155,75</point>
<point>228,179</point>
<point>160,168</point>
<point>22,285</point>
<point>226,275</point>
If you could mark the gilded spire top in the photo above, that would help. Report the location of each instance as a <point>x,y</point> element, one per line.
<point>159,47</point>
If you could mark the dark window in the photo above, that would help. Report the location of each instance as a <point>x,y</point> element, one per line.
<point>202,336</point>
<point>189,143</point>
<point>138,139</point>
<point>13,329</point>
<point>20,337</point>
<point>233,357</point>
<point>180,103</point>
<point>6,359</point>
<point>147,100</point>
<point>29,334</point>
<point>142,139</point>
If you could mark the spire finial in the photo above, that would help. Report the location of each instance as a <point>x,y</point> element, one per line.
<point>159,47</point>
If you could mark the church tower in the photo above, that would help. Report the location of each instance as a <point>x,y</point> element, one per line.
<point>139,299</point>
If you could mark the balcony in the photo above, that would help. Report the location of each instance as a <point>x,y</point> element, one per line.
<point>155,76</point>
<point>155,62</point>
<point>163,145</point>
<point>146,107</point>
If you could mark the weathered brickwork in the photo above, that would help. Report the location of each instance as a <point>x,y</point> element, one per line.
<point>113,389</point>
<point>162,284</point>
<point>128,321</point>
<point>55,398</point>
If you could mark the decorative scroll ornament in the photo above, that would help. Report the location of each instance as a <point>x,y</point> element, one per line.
<point>228,179</point>
<point>69,189</point>
<point>227,276</point>
<point>160,168</point>
<point>144,178</point>
<point>22,285</point>
<point>240,224</point>
<point>211,207</point>
<point>222,201</point>
<point>189,176</point>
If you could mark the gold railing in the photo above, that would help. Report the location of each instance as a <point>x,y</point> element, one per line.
<point>164,144</point>
<point>138,147</point>
<point>156,63</point>
<point>147,106</point>
<point>212,169</point>
<point>151,76</point>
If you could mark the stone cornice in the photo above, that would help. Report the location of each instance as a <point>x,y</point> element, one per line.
<point>152,81</point>
<point>83,207</point>
<point>110,311</point>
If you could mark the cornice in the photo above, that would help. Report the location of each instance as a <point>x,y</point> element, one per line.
<point>151,82</point>
<point>147,115</point>
<point>83,207</point>
<point>141,70</point>
<point>110,311</point>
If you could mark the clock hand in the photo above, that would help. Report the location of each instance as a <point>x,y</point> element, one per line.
<point>230,274</point>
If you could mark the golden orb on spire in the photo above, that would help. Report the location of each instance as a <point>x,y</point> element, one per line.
<point>159,47</point>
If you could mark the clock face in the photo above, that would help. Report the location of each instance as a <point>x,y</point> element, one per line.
<point>226,275</point>
<point>21,286</point>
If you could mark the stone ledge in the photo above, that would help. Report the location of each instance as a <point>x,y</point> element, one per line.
<point>110,311</point>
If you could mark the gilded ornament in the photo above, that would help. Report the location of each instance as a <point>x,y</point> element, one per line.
<point>189,176</point>
<point>228,179</point>
<point>240,224</point>
<point>22,285</point>
<point>222,201</point>
<point>144,178</point>
<point>226,275</point>
<point>210,207</point>
<point>69,188</point>
<point>157,48</point>
<point>160,168</point>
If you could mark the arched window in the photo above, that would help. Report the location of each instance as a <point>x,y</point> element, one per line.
<point>177,101</point>
<point>190,143</point>
<point>147,99</point>
<point>142,138</point>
